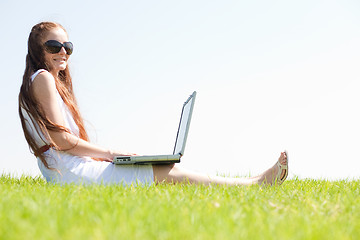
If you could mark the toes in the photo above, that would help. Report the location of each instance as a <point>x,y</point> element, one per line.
<point>283,158</point>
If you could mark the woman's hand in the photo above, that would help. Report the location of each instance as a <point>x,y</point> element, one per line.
<point>110,156</point>
<point>120,153</point>
<point>128,154</point>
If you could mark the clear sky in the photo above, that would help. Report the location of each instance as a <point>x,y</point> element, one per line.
<point>270,75</point>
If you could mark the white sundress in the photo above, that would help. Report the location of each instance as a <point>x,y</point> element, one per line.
<point>84,170</point>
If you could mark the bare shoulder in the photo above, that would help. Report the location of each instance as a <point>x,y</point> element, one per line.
<point>43,78</point>
<point>44,85</point>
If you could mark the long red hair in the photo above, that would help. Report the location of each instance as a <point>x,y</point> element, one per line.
<point>35,60</point>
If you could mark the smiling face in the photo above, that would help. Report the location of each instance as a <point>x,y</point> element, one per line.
<point>56,61</point>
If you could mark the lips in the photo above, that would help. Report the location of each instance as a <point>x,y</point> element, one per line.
<point>61,60</point>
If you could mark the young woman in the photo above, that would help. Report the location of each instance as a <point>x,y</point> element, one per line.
<point>54,129</point>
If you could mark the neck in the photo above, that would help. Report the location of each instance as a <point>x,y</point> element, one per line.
<point>55,73</point>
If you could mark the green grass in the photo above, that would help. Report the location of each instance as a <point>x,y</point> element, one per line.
<point>299,209</point>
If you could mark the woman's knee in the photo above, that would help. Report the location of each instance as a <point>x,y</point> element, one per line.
<point>164,172</point>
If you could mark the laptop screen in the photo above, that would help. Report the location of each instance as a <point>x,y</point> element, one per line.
<point>184,125</point>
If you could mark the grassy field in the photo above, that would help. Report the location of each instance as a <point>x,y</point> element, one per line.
<point>299,209</point>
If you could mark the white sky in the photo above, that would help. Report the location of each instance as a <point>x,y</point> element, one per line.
<point>270,75</point>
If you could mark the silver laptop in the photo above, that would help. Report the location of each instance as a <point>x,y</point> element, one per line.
<point>180,142</point>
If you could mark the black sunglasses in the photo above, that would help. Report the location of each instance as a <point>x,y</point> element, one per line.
<point>53,46</point>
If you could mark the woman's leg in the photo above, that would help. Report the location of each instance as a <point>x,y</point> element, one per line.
<point>175,174</point>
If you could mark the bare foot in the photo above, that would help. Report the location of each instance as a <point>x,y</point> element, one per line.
<point>270,176</point>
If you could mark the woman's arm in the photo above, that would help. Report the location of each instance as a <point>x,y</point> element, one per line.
<point>45,92</point>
